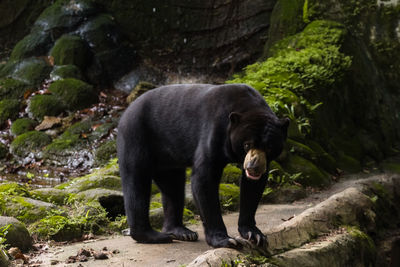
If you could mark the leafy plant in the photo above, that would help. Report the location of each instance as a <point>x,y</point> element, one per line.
<point>3,233</point>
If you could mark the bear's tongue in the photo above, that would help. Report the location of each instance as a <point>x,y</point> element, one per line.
<point>252,176</point>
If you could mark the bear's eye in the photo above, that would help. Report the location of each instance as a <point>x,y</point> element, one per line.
<point>248,145</point>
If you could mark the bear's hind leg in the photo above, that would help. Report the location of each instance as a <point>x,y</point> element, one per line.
<point>136,184</point>
<point>172,186</point>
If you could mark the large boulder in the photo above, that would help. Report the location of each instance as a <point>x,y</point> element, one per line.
<point>17,234</point>
<point>28,142</point>
<point>70,49</point>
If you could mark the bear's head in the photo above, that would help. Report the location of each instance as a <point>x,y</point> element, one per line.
<point>256,138</point>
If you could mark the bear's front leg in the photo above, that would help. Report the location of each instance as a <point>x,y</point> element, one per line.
<point>205,187</point>
<point>250,195</point>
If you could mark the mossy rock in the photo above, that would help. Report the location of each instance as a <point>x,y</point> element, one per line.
<point>140,88</point>
<point>391,167</point>
<point>28,142</point>
<point>103,130</point>
<point>45,105</point>
<point>348,163</point>
<point>156,215</point>
<point>70,49</point>
<point>91,181</point>
<point>8,110</point>
<point>64,72</point>
<point>75,94</point>
<point>56,227</point>
<point>64,15</point>
<point>229,195</point>
<point>12,88</point>
<point>51,195</point>
<point>25,209</point>
<point>14,189</point>
<point>285,194</point>
<point>3,151</point>
<point>311,174</point>
<point>323,158</point>
<point>32,71</point>
<point>105,152</point>
<point>231,175</point>
<point>37,43</point>
<point>17,234</point>
<point>22,125</point>
<point>100,33</point>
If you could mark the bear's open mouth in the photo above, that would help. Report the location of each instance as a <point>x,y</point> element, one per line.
<point>252,174</point>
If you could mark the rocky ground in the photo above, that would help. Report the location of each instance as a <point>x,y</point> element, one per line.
<point>344,225</point>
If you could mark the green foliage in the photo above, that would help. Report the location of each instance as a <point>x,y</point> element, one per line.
<point>45,105</point>
<point>22,125</point>
<point>3,234</point>
<point>14,189</point>
<point>231,174</point>
<point>28,142</point>
<point>229,196</point>
<point>300,66</point>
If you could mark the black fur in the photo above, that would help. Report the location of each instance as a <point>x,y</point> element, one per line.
<point>202,126</point>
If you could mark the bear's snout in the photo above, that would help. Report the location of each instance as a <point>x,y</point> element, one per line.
<point>255,164</point>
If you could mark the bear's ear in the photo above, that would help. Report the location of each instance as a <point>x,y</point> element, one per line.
<point>234,117</point>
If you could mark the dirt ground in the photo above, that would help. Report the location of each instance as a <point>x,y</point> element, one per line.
<point>124,251</point>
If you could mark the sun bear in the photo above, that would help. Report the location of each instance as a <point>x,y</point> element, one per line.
<point>205,127</point>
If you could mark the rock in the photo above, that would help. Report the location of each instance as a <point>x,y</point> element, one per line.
<point>17,234</point>
<point>92,181</point>
<point>217,257</point>
<point>65,71</point>
<point>9,110</point>
<point>51,195</point>
<point>29,142</point>
<point>3,151</point>
<point>70,49</point>
<point>64,15</point>
<point>334,250</point>
<point>310,174</point>
<point>139,89</point>
<point>75,94</point>
<point>100,33</point>
<point>22,125</point>
<point>56,227</point>
<point>37,43</point>
<point>31,71</point>
<point>12,88</point>
<point>41,106</point>
<point>25,209</point>
<point>105,152</point>
<point>231,175</point>
<point>111,200</point>
<point>285,194</point>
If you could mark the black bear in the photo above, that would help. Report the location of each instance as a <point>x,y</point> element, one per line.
<point>203,126</point>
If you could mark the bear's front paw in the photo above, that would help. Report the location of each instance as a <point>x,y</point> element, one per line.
<point>253,234</point>
<point>223,241</point>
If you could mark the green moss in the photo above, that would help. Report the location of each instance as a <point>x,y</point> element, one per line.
<point>32,71</point>
<point>300,68</point>
<point>45,105</point>
<point>365,240</point>
<point>231,174</point>
<point>12,89</point>
<point>22,125</point>
<point>105,152</point>
<point>69,49</point>
<point>90,181</point>
<point>8,110</point>
<point>391,167</point>
<point>348,163</point>
<point>36,43</point>
<point>51,195</point>
<point>65,71</point>
<point>75,94</point>
<point>62,143</point>
<point>140,88</point>
<point>310,174</point>
<point>229,196</point>
<point>58,228</point>
<point>28,142</point>
<point>14,189</point>
<point>23,209</point>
